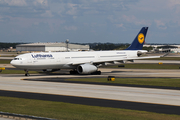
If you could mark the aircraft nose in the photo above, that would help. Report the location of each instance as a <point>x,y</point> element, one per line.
<point>12,62</point>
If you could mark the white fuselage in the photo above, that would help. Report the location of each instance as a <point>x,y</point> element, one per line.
<point>69,60</point>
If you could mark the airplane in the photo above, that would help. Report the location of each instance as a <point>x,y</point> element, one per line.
<point>84,62</point>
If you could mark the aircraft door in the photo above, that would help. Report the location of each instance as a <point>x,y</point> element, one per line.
<point>29,60</point>
<point>58,59</point>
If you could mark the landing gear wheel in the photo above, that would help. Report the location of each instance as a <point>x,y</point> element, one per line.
<point>26,74</point>
<point>96,73</point>
<point>73,72</point>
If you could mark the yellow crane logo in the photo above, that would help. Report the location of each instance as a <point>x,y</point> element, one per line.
<point>141,38</point>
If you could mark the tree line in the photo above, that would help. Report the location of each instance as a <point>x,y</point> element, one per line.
<point>111,46</point>
<point>93,46</point>
<point>8,45</point>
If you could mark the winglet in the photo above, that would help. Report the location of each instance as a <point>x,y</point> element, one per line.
<point>138,42</point>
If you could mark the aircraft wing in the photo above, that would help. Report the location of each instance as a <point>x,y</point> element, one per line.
<point>112,60</point>
<point>148,57</point>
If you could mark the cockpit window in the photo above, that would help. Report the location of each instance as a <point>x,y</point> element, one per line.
<point>17,58</point>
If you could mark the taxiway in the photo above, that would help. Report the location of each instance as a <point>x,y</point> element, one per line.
<point>148,99</point>
<point>133,94</point>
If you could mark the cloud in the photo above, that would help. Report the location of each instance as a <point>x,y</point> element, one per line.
<point>40,2</point>
<point>14,2</point>
<point>72,9</point>
<point>172,3</point>
<point>52,17</point>
<point>119,25</point>
<point>129,18</point>
<point>160,24</point>
<point>47,14</point>
<point>70,28</point>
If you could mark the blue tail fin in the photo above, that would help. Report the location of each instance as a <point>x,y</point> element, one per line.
<point>138,42</point>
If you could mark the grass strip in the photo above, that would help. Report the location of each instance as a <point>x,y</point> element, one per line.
<point>166,82</point>
<point>152,66</point>
<point>17,72</point>
<point>8,56</point>
<point>165,58</point>
<point>5,61</point>
<point>8,53</point>
<point>68,111</point>
<point>146,66</point>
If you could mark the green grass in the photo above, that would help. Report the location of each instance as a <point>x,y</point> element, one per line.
<point>152,66</point>
<point>146,66</point>
<point>8,52</point>
<point>168,82</point>
<point>68,111</point>
<point>165,58</point>
<point>5,61</point>
<point>8,56</point>
<point>17,72</point>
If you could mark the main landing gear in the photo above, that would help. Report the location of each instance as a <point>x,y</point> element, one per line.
<point>96,73</point>
<point>26,74</point>
<point>74,72</point>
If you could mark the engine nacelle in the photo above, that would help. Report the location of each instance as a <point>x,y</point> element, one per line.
<point>86,69</point>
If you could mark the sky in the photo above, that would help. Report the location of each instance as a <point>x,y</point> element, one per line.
<point>89,21</point>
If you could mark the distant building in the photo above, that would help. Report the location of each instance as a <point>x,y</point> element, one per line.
<point>164,48</point>
<point>51,47</point>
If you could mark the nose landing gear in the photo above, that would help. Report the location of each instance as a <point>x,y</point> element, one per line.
<point>26,74</point>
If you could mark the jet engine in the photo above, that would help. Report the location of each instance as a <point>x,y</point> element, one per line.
<point>86,69</point>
